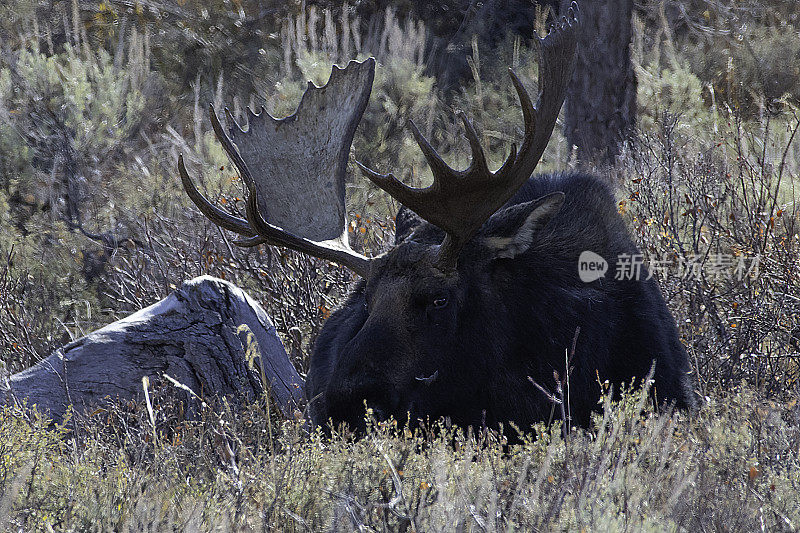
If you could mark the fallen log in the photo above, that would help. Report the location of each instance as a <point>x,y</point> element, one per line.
<point>194,336</point>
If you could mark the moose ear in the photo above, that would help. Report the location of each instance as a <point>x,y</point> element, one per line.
<point>511,231</point>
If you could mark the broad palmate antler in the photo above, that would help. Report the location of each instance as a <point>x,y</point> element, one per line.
<point>294,168</point>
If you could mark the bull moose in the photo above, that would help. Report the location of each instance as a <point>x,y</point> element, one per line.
<point>474,310</point>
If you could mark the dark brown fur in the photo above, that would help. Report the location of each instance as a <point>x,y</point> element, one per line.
<point>510,313</point>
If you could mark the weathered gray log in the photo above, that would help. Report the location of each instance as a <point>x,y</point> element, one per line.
<point>193,336</point>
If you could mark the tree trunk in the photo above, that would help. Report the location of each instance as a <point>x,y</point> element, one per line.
<point>600,108</point>
<point>192,336</point>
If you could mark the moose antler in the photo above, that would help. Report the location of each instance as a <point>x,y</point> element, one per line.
<point>459,202</point>
<point>294,169</point>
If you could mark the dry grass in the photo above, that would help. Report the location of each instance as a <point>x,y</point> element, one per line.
<point>734,466</point>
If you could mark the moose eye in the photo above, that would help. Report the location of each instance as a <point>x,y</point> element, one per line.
<point>439,302</point>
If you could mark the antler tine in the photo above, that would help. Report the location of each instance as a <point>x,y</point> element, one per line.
<point>435,161</point>
<point>227,145</point>
<point>275,235</point>
<point>556,64</point>
<point>512,157</point>
<point>398,190</point>
<point>478,157</point>
<point>250,242</point>
<point>528,110</point>
<point>214,213</point>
